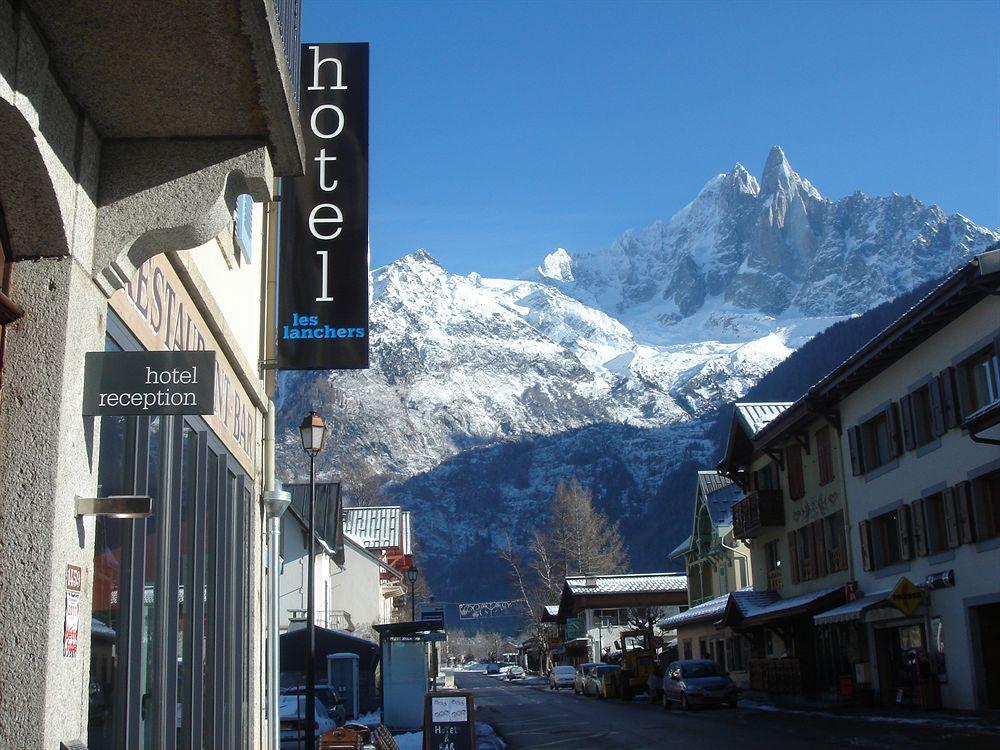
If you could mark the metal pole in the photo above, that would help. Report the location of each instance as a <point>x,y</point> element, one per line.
<point>413,602</point>
<point>311,613</point>
<point>275,502</point>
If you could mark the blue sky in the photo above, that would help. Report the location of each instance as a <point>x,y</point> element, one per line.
<point>503,130</point>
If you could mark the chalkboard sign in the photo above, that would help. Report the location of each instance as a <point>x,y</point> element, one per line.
<point>449,721</point>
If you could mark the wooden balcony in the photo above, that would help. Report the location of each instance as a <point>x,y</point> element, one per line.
<point>756,511</point>
<point>775,675</point>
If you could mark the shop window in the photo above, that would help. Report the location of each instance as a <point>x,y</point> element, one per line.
<point>796,477</point>
<point>986,499</point>
<point>979,380</point>
<point>824,456</point>
<point>243,227</point>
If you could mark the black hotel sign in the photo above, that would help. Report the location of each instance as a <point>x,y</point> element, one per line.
<point>323,259</point>
<point>148,383</point>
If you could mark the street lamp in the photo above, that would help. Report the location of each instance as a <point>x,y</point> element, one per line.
<point>313,434</point>
<point>411,577</point>
<point>275,503</point>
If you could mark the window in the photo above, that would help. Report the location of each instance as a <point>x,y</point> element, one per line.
<point>875,442</point>
<point>687,649</point>
<point>766,478</point>
<point>741,573</point>
<point>824,455</point>
<point>921,421</point>
<point>935,523</point>
<point>979,380</point>
<point>835,542</point>
<point>796,479</point>
<point>885,539</point>
<point>986,501</point>
<point>737,659</point>
<point>607,617</point>
<point>772,555</point>
<point>243,226</point>
<point>723,584</point>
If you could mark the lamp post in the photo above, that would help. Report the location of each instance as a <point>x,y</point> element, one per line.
<point>411,577</point>
<point>313,434</point>
<point>275,503</point>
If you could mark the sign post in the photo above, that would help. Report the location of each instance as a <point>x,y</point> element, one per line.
<point>322,321</point>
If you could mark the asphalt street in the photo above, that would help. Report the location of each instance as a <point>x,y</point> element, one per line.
<point>530,716</point>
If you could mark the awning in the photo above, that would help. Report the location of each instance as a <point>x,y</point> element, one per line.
<point>752,608</point>
<point>577,643</point>
<point>855,610</point>
<point>710,610</point>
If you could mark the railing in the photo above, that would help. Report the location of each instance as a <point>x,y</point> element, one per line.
<point>774,581</point>
<point>289,13</point>
<point>755,511</point>
<point>775,675</point>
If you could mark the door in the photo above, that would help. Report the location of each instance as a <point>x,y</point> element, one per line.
<point>989,667</point>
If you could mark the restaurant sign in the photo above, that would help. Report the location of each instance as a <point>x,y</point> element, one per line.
<point>148,383</point>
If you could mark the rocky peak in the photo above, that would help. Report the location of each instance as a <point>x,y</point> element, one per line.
<point>558,266</point>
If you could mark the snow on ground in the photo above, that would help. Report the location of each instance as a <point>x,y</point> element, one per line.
<point>410,740</point>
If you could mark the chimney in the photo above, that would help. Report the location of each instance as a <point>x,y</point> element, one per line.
<point>590,580</point>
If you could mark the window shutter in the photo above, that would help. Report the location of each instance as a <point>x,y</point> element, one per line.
<point>865,533</point>
<point>895,439</point>
<point>919,524</point>
<point>903,529</point>
<point>793,558</point>
<point>906,417</point>
<point>937,409</point>
<point>820,548</point>
<point>950,518</point>
<point>775,479</point>
<point>854,443</point>
<point>979,509</point>
<point>842,533</point>
<point>963,513</point>
<point>796,479</point>
<point>949,400</point>
<point>824,454</point>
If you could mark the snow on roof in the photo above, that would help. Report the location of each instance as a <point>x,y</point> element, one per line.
<point>709,610</point>
<point>552,610</point>
<point>854,610</point>
<point>712,481</point>
<point>758,603</point>
<point>755,417</point>
<point>628,583</point>
<point>720,494</point>
<point>680,549</point>
<point>407,533</point>
<point>376,527</point>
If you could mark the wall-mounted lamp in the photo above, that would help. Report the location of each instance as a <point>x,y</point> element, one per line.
<point>115,506</point>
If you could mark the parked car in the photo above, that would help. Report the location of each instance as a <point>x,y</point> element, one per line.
<point>492,668</point>
<point>561,677</point>
<point>327,696</point>
<point>697,682</point>
<point>600,680</point>
<point>295,725</point>
<point>581,676</point>
<point>515,673</point>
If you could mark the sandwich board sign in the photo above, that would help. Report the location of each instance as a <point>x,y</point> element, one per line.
<point>449,721</point>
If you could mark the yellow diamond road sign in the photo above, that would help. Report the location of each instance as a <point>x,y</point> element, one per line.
<point>906,597</point>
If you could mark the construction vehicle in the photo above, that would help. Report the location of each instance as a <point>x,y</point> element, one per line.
<point>637,661</point>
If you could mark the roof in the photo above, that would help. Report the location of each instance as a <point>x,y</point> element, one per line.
<point>376,527</point>
<point>399,629</point>
<point>966,287</point>
<point>407,532</point>
<point>748,607</point>
<point>710,610</point>
<point>720,494</point>
<point>680,549</point>
<point>328,504</point>
<point>755,417</point>
<point>550,613</point>
<point>628,583</point>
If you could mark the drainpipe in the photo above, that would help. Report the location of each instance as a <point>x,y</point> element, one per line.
<point>275,501</point>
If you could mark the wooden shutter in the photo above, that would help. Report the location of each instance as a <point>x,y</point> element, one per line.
<point>819,545</point>
<point>903,529</point>
<point>854,443</point>
<point>793,558</point>
<point>978,490</point>
<point>865,533</point>
<point>906,417</point>
<point>949,398</point>
<point>919,524</point>
<point>842,532</point>
<point>895,439</point>
<point>963,513</point>
<point>775,479</point>
<point>824,454</point>
<point>950,517</point>
<point>937,409</point>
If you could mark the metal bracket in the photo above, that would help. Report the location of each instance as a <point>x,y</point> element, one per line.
<point>115,506</point>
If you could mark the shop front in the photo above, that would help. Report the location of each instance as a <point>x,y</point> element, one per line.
<point>172,640</point>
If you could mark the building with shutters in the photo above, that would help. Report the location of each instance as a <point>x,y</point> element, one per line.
<point>793,515</point>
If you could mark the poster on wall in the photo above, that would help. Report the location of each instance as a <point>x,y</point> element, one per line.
<point>71,618</point>
<point>322,316</point>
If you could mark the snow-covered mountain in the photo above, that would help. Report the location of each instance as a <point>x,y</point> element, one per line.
<point>597,363</point>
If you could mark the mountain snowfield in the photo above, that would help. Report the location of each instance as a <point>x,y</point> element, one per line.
<point>659,329</point>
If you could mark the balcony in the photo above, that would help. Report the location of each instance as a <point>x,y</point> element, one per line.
<point>758,510</point>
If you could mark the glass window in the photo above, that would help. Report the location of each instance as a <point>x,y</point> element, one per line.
<point>885,538</point>
<point>148,653</point>
<point>772,555</point>
<point>185,598</point>
<point>875,441</point>
<point>935,523</point>
<point>980,379</point>
<point>937,649</point>
<point>986,496</point>
<point>923,422</point>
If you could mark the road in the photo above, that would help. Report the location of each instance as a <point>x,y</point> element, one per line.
<point>531,716</point>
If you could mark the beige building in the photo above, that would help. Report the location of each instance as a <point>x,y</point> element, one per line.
<point>919,407</point>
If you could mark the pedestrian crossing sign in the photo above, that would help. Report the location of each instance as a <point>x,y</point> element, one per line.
<point>906,597</point>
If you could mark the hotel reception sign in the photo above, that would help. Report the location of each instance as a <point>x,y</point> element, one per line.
<point>148,383</point>
<point>322,321</point>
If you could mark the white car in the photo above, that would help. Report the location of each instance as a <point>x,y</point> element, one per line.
<point>292,712</point>
<point>515,673</point>
<point>561,677</point>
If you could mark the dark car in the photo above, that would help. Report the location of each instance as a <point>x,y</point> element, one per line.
<point>697,682</point>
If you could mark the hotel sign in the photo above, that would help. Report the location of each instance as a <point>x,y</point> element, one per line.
<point>148,383</point>
<point>322,321</point>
